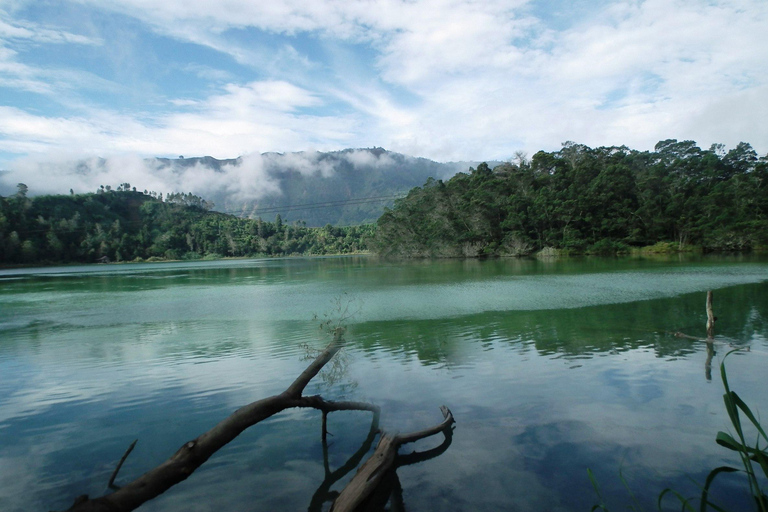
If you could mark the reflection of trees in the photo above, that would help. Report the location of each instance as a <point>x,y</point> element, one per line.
<point>742,310</point>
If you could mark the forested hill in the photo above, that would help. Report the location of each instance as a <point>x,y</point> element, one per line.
<point>580,199</point>
<point>125,225</point>
<point>341,187</point>
<point>347,187</point>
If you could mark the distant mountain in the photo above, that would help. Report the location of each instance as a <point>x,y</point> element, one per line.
<point>346,187</point>
<point>341,187</point>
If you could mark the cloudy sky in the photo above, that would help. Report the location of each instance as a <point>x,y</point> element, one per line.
<point>442,79</point>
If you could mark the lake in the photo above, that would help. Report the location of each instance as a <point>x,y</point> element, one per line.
<point>550,367</point>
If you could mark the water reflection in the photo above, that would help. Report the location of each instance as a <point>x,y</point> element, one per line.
<point>708,362</point>
<point>572,333</point>
<point>549,367</point>
<point>324,494</point>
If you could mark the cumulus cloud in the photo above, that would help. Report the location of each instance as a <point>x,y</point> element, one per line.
<point>234,121</point>
<point>445,79</point>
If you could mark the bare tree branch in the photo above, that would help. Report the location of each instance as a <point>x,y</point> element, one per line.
<point>111,483</point>
<point>192,454</point>
<point>371,474</point>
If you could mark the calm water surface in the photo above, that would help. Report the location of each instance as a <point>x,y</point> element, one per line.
<point>549,367</point>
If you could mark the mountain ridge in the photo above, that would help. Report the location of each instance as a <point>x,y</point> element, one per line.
<point>344,187</point>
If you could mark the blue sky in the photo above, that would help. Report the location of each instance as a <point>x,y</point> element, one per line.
<point>442,79</point>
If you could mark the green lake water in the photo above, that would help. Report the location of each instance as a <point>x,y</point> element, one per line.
<point>549,367</point>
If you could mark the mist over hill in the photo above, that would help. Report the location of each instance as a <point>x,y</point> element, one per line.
<point>345,187</point>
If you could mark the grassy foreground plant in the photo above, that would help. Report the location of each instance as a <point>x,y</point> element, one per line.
<point>754,459</point>
<point>747,453</point>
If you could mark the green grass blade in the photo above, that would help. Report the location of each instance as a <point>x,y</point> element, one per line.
<point>748,413</point>
<point>762,458</point>
<point>726,440</point>
<point>731,400</point>
<point>631,494</point>
<point>723,375</point>
<point>711,478</point>
<point>733,414</point>
<point>601,505</point>
<point>593,480</point>
<point>763,502</point>
<point>686,502</point>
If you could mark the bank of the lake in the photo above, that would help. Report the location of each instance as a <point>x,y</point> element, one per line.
<point>549,366</point>
<point>603,200</point>
<point>127,225</point>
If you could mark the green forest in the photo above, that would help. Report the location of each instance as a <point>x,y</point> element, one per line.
<point>122,224</point>
<point>578,200</point>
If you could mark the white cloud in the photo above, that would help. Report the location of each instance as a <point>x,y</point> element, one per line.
<point>209,73</point>
<point>445,79</point>
<point>248,178</point>
<point>365,158</point>
<point>40,33</point>
<point>15,74</point>
<point>270,95</point>
<point>305,162</point>
<point>264,114</point>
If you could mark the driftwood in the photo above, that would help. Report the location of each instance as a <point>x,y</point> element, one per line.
<point>710,317</point>
<point>710,339</point>
<point>371,474</point>
<point>194,453</point>
<point>372,493</point>
<point>324,492</point>
<point>111,483</point>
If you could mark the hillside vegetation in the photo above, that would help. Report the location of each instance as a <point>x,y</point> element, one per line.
<point>125,225</point>
<point>576,200</point>
<point>342,188</point>
<point>584,200</point>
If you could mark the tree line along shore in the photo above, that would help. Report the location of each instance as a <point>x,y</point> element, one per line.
<point>577,200</point>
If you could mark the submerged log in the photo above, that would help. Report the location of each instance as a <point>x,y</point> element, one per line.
<point>324,493</point>
<point>711,318</point>
<point>192,454</point>
<point>370,476</point>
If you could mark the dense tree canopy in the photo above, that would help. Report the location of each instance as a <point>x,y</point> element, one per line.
<point>580,199</point>
<point>126,225</point>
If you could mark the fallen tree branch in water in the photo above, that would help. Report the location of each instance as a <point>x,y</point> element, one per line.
<point>372,473</point>
<point>194,453</point>
<point>323,492</point>
<point>111,483</point>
